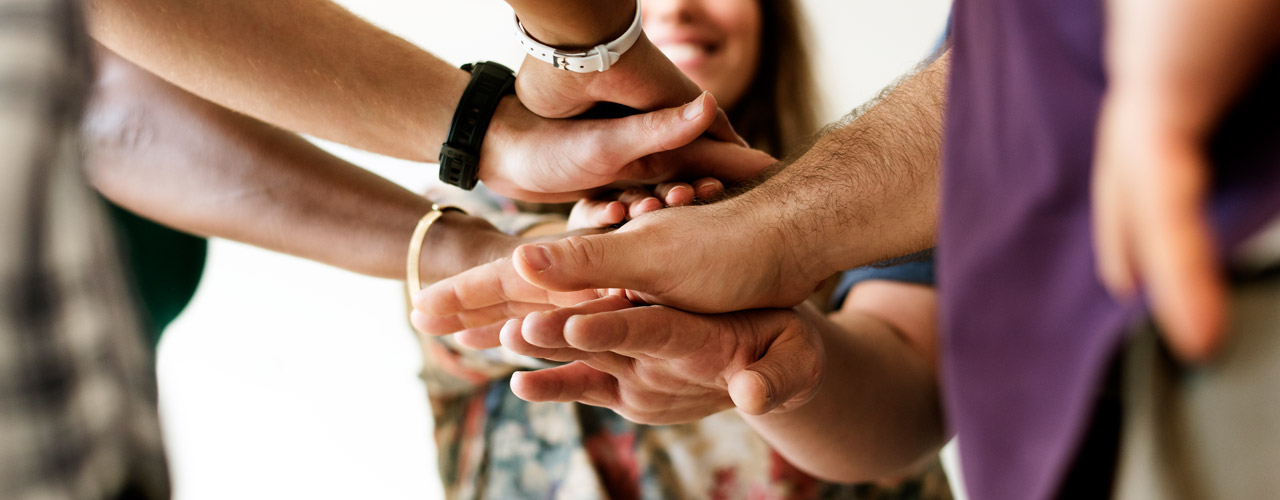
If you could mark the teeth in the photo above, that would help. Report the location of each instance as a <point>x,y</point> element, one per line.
<point>682,51</point>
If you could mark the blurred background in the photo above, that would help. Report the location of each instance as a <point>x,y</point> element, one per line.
<point>289,379</point>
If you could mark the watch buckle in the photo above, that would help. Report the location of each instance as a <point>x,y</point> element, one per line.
<point>560,60</point>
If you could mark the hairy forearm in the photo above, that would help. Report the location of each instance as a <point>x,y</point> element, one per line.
<point>188,163</point>
<point>574,24</point>
<point>305,65</point>
<point>867,189</point>
<point>875,413</point>
<point>1181,63</point>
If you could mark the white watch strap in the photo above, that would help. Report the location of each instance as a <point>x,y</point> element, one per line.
<point>599,58</point>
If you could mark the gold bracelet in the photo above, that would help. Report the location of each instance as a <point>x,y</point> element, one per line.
<point>414,281</point>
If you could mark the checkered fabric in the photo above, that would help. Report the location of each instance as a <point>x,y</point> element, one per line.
<point>77,386</point>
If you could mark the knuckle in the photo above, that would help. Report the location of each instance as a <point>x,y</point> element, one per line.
<point>584,252</point>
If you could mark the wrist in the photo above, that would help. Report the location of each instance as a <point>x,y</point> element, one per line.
<point>792,252</point>
<point>510,120</point>
<point>568,28</point>
<point>457,242</point>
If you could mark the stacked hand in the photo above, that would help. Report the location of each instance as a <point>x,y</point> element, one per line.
<point>531,158</point>
<point>658,365</point>
<point>688,257</point>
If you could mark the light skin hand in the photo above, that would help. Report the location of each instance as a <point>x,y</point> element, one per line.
<point>1174,69</point>
<point>582,267</point>
<point>455,306</point>
<point>849,399</point>
<point>531,158</point>
<point>657,365</point>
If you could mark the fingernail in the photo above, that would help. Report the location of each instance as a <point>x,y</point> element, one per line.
<point>704,189</point>
<point>694,109</point>
<point>537,257</point>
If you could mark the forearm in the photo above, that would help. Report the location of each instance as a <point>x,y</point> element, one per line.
<point>305,65</point>
<point>866,190</point>
<point>574,24</point>
<point>1180,64</point>
<point>875,413</point>
<point>185,162</point>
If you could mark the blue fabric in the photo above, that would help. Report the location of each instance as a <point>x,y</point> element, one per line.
<point>919,272</point>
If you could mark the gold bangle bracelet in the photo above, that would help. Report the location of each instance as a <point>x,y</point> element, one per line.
<point>414,281</point>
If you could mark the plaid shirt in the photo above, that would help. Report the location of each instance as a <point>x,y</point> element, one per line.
<point>77,386</point>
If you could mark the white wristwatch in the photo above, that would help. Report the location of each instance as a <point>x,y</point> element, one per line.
<point>599,58</point>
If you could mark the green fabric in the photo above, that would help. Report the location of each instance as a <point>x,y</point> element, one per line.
<point>166,267</point>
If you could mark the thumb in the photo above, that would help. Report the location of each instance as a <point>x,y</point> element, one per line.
<point>786,376</point>
<point>611,260</point>
<point>637,136</point>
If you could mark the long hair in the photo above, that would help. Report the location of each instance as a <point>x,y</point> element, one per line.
<point>778,111</point>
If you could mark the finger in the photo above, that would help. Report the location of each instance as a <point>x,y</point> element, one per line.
<point>675,194</point>
<point>639,202</point>
<point>614,260</point>
<point>623,140</point>
<point>546,329</point>
<point>478,287</point>
<point>574,382</point>
<point>703,157</point>
<point>589,213</point>
<point>707,189</point>
<point>497,313</point>
<point>484,337</point>
<point>787,374</point>
<point>492,284</point>
<point>1112,222</point>
<point>511,338</point>
<point>656,331</point>
<point>1180,265</point>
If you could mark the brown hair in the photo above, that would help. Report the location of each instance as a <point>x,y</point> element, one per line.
<point>778,111</point>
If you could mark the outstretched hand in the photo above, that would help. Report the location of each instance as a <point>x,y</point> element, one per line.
<point>658,365</point>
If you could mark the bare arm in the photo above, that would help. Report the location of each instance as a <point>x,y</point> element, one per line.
<point>188,163</point>
<point>1174,68</point>
<point>877,410</point>
<point>867,190</point>
<point>305,65</point>
<point>310,66</point>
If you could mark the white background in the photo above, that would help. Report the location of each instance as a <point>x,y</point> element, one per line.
<point>289,379</point>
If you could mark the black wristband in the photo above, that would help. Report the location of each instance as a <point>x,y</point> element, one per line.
<point>460,153</point>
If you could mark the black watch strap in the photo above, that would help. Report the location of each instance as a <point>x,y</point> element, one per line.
<point>460,154</point>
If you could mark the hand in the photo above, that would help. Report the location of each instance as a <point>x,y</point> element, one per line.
<point>617,207</point>
<point>531,158</point>
<point>1151,228</point>
<point>709,258</point>
<point>657,365</point>
<point>643,79</point>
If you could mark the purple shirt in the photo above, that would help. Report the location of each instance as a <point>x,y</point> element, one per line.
<point>1027,329</point>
